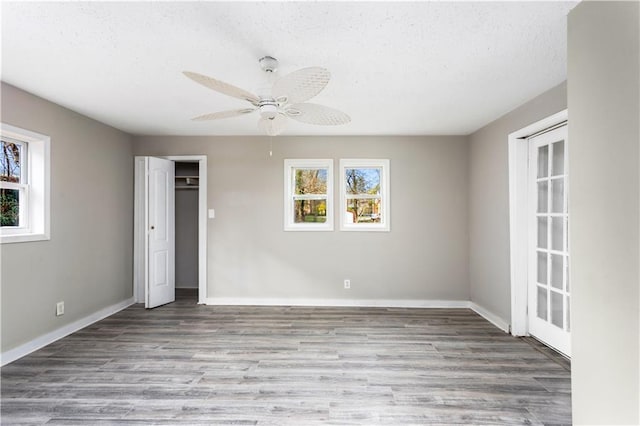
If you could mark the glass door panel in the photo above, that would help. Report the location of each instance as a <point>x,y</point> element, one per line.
<point>549,259</point>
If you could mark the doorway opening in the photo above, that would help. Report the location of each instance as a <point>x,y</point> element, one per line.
<point>539,223</point>
<point>187,187</point>
<point>189,208</point>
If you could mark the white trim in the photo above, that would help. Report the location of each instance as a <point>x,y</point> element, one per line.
<point>382,303</point>
<point>289,187</point>
<point>139,227</point>
<point>46,339</point>
<point>385,194</point>
<point>364,303</point>
<point>518,224</point>
<point>490,316</point>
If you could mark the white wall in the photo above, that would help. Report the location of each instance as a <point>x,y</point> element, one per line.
<point>88,261</point>
<point>604,201</point>
<point>424,257</point>
<point>489,253</point>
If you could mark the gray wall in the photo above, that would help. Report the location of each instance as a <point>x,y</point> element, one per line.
<point>187,238</point>
<point>604,110</point>
<point>423,257</point>
<point>489,253</point>
<point>88,261</point>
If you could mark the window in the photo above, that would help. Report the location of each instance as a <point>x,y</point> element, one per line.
<point>14,189</point>
<point>364,195</point>
<point>24,185</point>
<point>308,195</point>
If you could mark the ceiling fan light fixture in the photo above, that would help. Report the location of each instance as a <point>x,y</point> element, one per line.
<point>268,111</point>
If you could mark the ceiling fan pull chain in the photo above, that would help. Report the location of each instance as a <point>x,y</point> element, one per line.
<point>270,146</point>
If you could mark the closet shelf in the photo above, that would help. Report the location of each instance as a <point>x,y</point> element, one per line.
<point>183,182</point>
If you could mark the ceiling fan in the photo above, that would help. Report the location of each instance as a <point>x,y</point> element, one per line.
<point>286,98</point>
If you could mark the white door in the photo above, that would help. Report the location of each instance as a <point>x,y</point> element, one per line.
<point>159,219</point>
<point>548,286</point>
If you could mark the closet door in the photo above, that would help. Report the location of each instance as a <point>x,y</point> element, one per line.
<point>155,230</point>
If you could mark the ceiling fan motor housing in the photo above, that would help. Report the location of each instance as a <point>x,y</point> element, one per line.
<point>269,63</point>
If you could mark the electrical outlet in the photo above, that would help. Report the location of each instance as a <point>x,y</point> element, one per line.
<point>347,284</point>
<point>59,309</point>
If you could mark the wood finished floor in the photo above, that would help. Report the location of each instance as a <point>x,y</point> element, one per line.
<point>203,365</point>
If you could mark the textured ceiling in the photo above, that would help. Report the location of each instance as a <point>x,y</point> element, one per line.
<point>397,68</point>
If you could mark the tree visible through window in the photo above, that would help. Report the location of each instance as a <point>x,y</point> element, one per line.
<point>308,192</point>
<point>11,183</point>
<point>310,182</point>
<point>364,194</point>
<point>24,185</point>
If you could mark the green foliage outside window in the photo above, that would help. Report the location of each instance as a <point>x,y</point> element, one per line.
<point>9,208</point>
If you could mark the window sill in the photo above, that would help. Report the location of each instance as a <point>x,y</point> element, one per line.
<point>308,228</point>
<point>366,228</point>
<point>23,238</point>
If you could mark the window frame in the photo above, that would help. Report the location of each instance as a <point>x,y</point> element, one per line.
<point>34,186</point>
<point>385,194</point>
<point>289,194</point>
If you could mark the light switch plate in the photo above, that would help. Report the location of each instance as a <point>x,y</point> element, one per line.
<point>212,214</point>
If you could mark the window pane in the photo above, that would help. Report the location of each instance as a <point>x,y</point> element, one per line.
<point>542,267</point>
<point>305,211</point>
<point>542,232</point>
<point>557,310</point>
<point>557,233</point>
<point>364,210</point>
<point>310,181</point>
<point>9,207</point>
<point>10,162</point>
<point>541,303</point>
<point>558,158</point>
<point>557,270</point>
<point>543,161</point>
<point>543,188</point>
<point>557,195</point>
<point>363,180</point>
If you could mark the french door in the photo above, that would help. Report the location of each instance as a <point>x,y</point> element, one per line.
<point>548,283</point>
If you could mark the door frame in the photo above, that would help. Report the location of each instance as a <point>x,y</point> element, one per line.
<point>519,219</point>
<point>138,228</point>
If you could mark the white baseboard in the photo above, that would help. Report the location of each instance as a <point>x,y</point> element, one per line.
<point>46,339</point>
<point>490,316</point>
<point>382,303</point>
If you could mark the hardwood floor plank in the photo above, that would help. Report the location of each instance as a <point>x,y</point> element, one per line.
<point>191,364</point>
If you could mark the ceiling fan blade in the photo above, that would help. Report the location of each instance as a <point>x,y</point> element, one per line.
<point>317,114</point>
<point>301,85</point>
<point>272,127</point>
<point>223,114</point>
<point>222,87</point>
